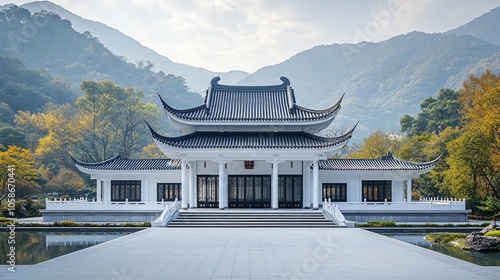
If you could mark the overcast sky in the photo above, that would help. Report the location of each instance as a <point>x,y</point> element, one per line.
<point>222,35</point>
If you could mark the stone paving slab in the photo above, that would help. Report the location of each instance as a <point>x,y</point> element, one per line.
<point>253,253</point>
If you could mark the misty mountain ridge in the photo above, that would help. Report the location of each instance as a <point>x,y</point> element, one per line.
<point>382,81</point>
<point>120,44</point>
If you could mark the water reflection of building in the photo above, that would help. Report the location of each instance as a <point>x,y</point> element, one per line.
<point>79,239</point>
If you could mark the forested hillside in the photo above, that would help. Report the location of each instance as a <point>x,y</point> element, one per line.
<point>27,89</point>
<point>382,81</point>
<point>44,40</point>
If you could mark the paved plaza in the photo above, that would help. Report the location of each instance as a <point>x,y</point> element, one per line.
<point>253,253</point>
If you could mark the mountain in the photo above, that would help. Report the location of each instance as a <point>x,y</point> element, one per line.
<point>382,81</point>
<point>19,84</point>
<point>44,40</point>
<point>484,27</point>
<point>122,45</point>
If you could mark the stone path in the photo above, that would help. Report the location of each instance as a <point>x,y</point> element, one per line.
<point>253,253</point>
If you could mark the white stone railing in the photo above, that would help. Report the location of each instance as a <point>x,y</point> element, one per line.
<point>424,204</point>
<point>83,204</point>
<point>167,215</point>
<point>331,212</point>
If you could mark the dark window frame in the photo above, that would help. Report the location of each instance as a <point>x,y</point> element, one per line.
<point>121,190</point>
<point>376,190</point>
<point>168,191</point>
<point>336,192</point>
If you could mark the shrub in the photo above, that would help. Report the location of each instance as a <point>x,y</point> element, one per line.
<point>3,219</point>
<point>493,233</point>
<point>444,237</point>
<point>485,224</point>
<point>380,224</point>
<point>66,223</point>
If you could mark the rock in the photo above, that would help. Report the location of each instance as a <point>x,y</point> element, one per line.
<point>477,242</point>
<point>487,229</point>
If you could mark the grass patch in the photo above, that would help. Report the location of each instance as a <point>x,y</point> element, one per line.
<point>3,219</point>
<point>493,233</point>
<point>444,238</point>
<point>379,224</point>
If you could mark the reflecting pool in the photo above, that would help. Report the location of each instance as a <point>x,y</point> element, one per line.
<point>479,258</point>
<point>35,247</point>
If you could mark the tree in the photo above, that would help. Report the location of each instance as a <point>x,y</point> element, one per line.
<point>11,136</point>
<point>107,120</point>
<point>152,151</point>
<point>474,158</point>
<point>480,99</point>
<point>66,182</point>
<point>492,205</point>
<point>437,114</point>
<point>378,144</point>
<point>17,168</point>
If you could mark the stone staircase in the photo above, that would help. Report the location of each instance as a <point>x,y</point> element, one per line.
<point>251,219</point>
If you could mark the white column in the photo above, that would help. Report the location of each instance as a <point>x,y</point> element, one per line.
<point>307,185</point>
<point>408,190</point>
<point>107,190</point>
<point>193,192</point>
<point>359,189</point>
<point>226,188</point>
<point>99,190</point>
<point>146,185</point>
<point>221,182</point>
<point>274,184</point>
<point>184,185</point>
<point>315,184</point>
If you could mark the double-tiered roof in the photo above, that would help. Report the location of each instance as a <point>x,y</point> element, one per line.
<point>247,108</point>
<point>262,119</point>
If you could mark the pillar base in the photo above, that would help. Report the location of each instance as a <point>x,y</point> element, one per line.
<point>184,208</point>
<point>315,208</point>
<point>275,208</point>
<point>222,208</point>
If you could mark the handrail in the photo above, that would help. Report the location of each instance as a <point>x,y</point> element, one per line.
<point>332,212</point>
<point>167,215</point>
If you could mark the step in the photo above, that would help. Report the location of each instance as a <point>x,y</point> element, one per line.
<point>270,219</point>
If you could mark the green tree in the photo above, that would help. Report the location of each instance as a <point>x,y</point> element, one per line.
<point>437,114</point>
<point>492,205</point>
<point>11,136</point>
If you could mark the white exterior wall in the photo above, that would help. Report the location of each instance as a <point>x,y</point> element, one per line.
<point>353,180</point>
<point>398,190</point>
<point>148,182</point>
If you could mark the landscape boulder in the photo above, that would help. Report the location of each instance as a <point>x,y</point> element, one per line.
<point>479,243</point>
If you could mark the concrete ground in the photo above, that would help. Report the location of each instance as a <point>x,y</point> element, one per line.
<point>253,253</point>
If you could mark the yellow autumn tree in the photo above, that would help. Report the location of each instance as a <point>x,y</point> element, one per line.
<point>378,144</point>
<point>17,168</point>
<point>474,157</point>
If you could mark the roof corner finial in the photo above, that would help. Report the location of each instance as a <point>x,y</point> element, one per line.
<point>285,80</point>
<point>215,81</point>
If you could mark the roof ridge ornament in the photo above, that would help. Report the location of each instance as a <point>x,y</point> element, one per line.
<point>289,93</point>
<point>213,83</point>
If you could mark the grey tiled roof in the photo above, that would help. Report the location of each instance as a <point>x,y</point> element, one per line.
<point>119,163</point>
<point>274,103</point>
<point>251,140</point>
<point>388,162</point>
